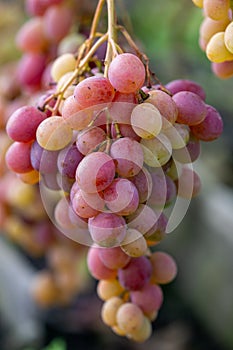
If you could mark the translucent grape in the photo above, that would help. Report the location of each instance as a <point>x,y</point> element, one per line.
<point>149,298</point>
<point>157,151</point>
<point>97,269</point>
<point>134,244</point>
<point>126,73</point>
<point>54,134</point>
<point>107,229</point>
<point>121,197</point>
<point>128,156</point>
<point>191,108</point>
<point>95,172</point>
<point>216,49</point>
<point>23,123</point>
<point>18,157</point>
<point>165,105</point>
<point>93,91</point>
<point>129,317</point>
<point>164,267</point>
<point>178,135</point>
<point>109,310</point>
<point>146,120</point>
<point>90,138</point>
<point>211,127</point>
<point>136,274</point>
<point>113,258</point>
<point>228,37</point>
<point>63,64</point>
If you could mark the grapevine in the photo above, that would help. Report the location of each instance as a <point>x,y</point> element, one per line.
<point>112,148</point>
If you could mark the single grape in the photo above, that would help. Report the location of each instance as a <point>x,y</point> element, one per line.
<point>164,267</point>
<point>97,269</point>
<point>77,117</point>
<point>216,49</point>
<point>107,289</point>
<point>42,160</point>
<point>54,134</point>
<point>134,244</point>
<point>113,258</point>
<point>157,151</point>
<point>216,9</point>
<point>109,310</point>
<point>95,172</point>
<point>128,156</point>
<point>121,197</point>
<point>228,37</point>
<point>186,85</point>
<point>223,70</point>
<point>93,91</point>
<point>63,64</point>
<point>126,73</point>
<point>18,157</point>
<point>68,160</point>
<point>142,334</point>
<point>129,317</point>
<point>81,207</point>
<point>146,120</point>
<point>211,127</point>
<point>191,108</point>
<point>136,274</point>
<point>89,139</point>
<point>107,229</point>
<point>149,298</point>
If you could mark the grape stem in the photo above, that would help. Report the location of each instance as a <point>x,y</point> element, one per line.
<point>111,47</point>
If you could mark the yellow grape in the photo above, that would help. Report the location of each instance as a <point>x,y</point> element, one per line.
<point>198,3</point>
<point>54,134</point>
<point>62,65</point>
<point>30,178</point>
<point>107,289</point>
<point>118,331</point>
<point>143,333</point>
<point>146,120</point>
<point>129,318</point>
<point>216,50</point>
<point>178,135</point>
<point>209,27</point>
<point>109,310</point>
<point>156,151</point>
<point>228,37</point>
<point>63,80</point>
<point>134,244</point>
<point>216,9</point>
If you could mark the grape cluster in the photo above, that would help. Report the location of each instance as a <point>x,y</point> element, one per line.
<point>216,35</point>
<point>113,154</point>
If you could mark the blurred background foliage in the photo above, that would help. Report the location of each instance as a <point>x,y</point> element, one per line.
<point>198,308</point>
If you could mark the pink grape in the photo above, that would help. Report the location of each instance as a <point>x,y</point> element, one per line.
<point>68,160</point>
<point>57,22</point>
<point>149,298</point>
<point>93,91</point>
<point>76,220</point>
<point>126,73</point>
<point>164,267</point>
<point>211,127</point>
<point>42,160</point>
<point>159,190</point>
<point>136,274</point>
<point>95,172</point>
<point>77,117</point>
<point>107,229</point>
<point>191,108</point>
<point>186,85</point>
<point>38,7</point>
<point>223,70</point>
<point>143,183</point>
<point>121,197</point>
<point>128,156</point>
<point>114,258</point>
<point>81,207</point>
<point>30,37</point>
<point>30,69</point>
<point>89,138</point>
<point>94,200</point>
<point>189,153</point>
<point>18,157</point>
<point>96,267</point>
<point>23,123</point>
<point>144,219</point>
